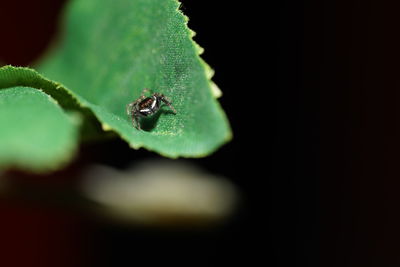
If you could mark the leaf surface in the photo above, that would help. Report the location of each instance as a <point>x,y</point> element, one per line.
<point>36,133</point>
<point>113,49</point>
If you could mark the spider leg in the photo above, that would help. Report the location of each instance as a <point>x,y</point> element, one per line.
<point>166,100</point>
<point>135,121</point>
<point>129,108</point>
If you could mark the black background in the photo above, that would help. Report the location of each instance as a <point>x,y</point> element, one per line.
<point>310,88</point>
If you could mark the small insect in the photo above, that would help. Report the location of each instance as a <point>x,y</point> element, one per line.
<point>146,106</point>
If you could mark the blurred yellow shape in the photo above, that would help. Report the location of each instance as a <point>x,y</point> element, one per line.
<point>161,193</point>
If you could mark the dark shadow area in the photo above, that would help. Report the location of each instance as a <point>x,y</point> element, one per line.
<point>149,123</point>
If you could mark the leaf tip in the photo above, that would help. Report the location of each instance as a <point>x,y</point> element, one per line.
<point>216,92</point>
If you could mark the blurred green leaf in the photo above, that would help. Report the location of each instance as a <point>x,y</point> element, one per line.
<point>36,134</point>
<point>112,49</point>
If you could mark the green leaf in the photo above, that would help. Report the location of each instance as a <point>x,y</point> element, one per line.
<point>36,134</point>
<point>19,76</point>
<point>113,49</point>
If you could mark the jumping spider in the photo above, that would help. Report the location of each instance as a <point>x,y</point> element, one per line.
<point>146,106</point>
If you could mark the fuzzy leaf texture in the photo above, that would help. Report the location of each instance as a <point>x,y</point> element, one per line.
<point>115,48</point>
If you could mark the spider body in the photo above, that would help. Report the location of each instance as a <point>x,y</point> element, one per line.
<point>146,106</point>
